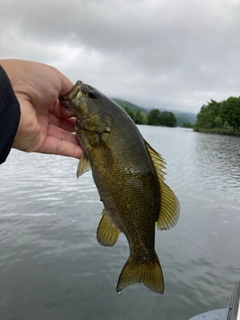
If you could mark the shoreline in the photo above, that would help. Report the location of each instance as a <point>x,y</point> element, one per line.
<point>217,131</point>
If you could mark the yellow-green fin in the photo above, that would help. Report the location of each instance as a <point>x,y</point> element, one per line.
<point>158,161</point>
<point>149,273</point>
<point>107,232</point>
<point>170,208</point>
<point>103,155</point>
<point>169,204</point>
<point>83,165</point>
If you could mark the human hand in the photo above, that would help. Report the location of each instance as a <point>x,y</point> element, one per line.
<point>45,125</point>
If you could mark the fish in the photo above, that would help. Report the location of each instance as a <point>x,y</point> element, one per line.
<point>129,175</point>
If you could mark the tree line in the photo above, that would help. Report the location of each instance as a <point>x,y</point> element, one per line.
<point>220,117</point>
<point>153,118</point>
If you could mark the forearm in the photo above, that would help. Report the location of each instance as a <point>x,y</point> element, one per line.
<point>9,115</point>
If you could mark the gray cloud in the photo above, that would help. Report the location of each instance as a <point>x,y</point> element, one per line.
<point>169,53</point>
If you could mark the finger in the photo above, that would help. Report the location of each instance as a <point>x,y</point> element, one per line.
<point>60,111</point>
<point>53,145</point>
<point>65,84</point>
<point>61,134</point>
<point>63,123</point>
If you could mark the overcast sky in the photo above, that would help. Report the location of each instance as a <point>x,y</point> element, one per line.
<point>173,54</point>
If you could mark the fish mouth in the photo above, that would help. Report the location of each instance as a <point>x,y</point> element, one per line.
<point>80,89</point>
<point>73,93</point>
<point>68,99</point>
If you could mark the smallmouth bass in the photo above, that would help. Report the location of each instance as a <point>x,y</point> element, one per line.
<point>129,177</point>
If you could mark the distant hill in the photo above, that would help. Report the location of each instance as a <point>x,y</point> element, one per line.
<point>185,117</point>
<point>180,115</point>
<point>127,104</point>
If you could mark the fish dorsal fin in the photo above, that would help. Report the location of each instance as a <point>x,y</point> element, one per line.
<point>83,165</point>
<point>158,161</point>
<point>169,204</point>
<point>107,232</point>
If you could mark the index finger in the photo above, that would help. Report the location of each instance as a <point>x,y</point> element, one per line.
<point>65,85</point>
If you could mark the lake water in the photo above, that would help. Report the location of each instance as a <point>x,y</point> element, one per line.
<point>52,267</point>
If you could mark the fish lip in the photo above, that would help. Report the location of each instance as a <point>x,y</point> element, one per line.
<point>62,98</point>
<point>76,87</point>
<point>79,87</point>
<point>67,100</point>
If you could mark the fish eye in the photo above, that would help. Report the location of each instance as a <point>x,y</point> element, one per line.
<point>92,95</point>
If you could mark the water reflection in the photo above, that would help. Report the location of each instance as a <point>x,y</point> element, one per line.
<point>217,159</point>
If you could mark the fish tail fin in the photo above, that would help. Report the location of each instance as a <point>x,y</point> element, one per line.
<point>148,273</point>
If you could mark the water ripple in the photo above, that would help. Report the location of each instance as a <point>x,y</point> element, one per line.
<point>52,267</point>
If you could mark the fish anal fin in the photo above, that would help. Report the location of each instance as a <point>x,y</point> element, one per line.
<point>107,232</point>
<point>148,273</point>
<point>170,208</point>
<point>83,165</point>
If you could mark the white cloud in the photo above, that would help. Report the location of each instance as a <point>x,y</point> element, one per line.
<point>158,53</point>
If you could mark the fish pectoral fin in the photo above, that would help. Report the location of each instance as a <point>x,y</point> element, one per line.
<point>169,204</point>
<point>104,155</point>
<point>169,208</point>
<point>107,232</point>
<point>83,165</point>
<point>148,273</point>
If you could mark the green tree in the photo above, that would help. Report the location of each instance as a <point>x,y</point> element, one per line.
<point>230,112</point>
<point>130,113</point>
<point>140,117</point>
<point>168,119</point>
<point>153,117</point>
<point>171,121</point>
<point>207,115</point>
<point>217,123</point>
<point>187,125</point>
<point>220,117</point>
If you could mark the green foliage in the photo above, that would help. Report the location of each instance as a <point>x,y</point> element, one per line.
<point>153,118</point>
<point>183,117</point>
<point>168,119</point>
<point>140,117</point>
<point>130,113</point>
<point>181,120</point>
<point>207,115</point>
<point>220,117</point>
<point>230,112</point>
<point>165,118</point>
<point>187,125</point>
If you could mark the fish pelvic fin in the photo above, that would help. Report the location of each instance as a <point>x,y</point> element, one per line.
<point>148,273</point>
<point>83,165</point>
<point>169,204</point>
<point>107,232</point>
